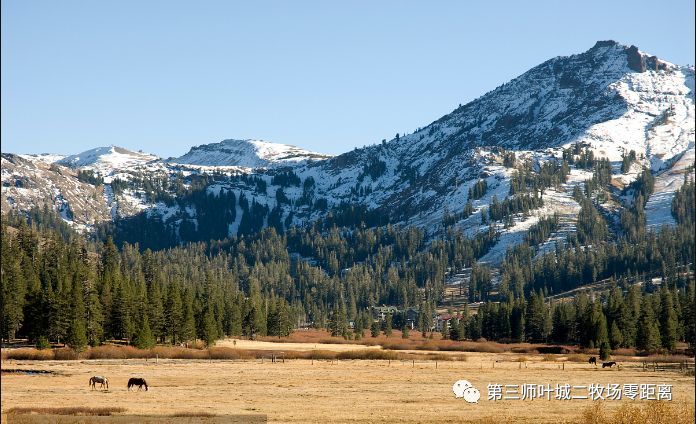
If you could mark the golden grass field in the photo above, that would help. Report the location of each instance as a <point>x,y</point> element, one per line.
<point>290,346</point>
<point>302,390</point>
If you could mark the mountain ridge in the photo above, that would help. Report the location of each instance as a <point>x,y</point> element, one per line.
<point>246,153</point>
<point>611,99</point>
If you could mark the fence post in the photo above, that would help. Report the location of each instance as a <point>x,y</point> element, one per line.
<point>435,364</point>
<point>156,359</point>
<point>564,366</point>
<point>413,362</point>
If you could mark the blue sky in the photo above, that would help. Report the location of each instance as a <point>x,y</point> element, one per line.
<point>164,76</point>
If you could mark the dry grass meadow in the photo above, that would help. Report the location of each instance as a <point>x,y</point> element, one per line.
<point>304,390</point>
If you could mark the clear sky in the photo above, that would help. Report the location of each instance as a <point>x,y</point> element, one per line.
<point>163,76</point>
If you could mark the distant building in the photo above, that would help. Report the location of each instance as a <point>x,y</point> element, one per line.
<point>443,321</point>
<point>379,313</point>
<point>411,316</point>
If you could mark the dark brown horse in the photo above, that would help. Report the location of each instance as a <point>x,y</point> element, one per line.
<point>608,364</point>
<point>593,360</point>
<point>140,382</point>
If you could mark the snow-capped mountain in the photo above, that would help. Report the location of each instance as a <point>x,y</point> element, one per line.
<point>106,159</point>
<point>610,100</point>
<point>247,154</point>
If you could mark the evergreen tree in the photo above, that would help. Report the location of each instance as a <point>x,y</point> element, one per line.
<point>602,339</point>
<point>668,320</point>
<point>536,318</point>
<point>629,317</point>
<point>144,338</point>
<point>388,325</point>
<point>615,336</point>
<point>210,334</point>
<point>156,311</point>
<point>188,328</point>
<point>689,312</point>
<point>77,337</point>
<point>374,329</point>
<point>236,316</point>
<point>13,291</point>
<point>173,313</point>
<point>648,336</point>
<point>454,330</point>
<point>517,322</point>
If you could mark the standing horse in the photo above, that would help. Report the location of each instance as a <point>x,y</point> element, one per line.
<point>140,382</point>
<point>593,360</point>
<point>99,379</point>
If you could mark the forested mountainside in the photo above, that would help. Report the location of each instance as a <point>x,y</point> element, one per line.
<point>58,286</point>
<point>578,171</point>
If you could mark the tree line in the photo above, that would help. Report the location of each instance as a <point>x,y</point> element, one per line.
<point>626,317</point>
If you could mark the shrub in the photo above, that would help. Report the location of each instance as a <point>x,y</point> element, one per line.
<point>28,354</point>
<point>116,352</point>
<point>65,354</point>
<point>367,354</point>
<point>42,343</point>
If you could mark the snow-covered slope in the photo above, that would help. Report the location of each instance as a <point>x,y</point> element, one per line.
<point>43,157</point>
<point>106,159</point>
<point>29,183</point>
<point>247,154</point>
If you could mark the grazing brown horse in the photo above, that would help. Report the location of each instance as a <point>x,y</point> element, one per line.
<point>140,382</point>
<point>98,379</point>
<point>608,364</point>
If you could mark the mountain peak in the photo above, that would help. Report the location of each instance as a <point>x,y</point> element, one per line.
<point>605,43</point>
<point>636,60</point>
<point>106,157</point>
<point>246,153</point>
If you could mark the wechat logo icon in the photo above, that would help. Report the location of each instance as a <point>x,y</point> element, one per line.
<point>464,389</point>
